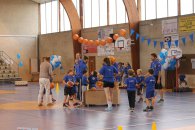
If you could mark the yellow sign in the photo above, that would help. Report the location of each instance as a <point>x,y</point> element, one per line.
<point>187,24</point>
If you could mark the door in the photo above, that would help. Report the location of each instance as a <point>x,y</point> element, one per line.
<point>91,64</point>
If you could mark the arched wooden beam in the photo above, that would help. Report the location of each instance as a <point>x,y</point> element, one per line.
<point>74,22</point>
<point>133,17</point>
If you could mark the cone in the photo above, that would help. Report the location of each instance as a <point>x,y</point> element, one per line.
<point>57,88</point>
<point>120,128</point>
<point>154,126</point>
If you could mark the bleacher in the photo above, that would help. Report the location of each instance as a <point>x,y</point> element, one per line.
<point>7,71</point>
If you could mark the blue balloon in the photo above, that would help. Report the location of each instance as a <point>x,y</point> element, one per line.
<point>55,61</point>
<point>20,64</point>
<point>18,56</point>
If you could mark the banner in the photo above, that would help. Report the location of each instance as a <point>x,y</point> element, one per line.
<point>169,26</point>
<point>106,50</point>
<point>187,24</point>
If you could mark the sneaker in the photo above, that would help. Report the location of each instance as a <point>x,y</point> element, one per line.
<point>161,100</point>
<point>140,100</point>
<point>65,104</point>
<point>53,100</point>
<point>108,109</point>
<point>76,104</point>
<point>147,109</point>
<point>132,109</point>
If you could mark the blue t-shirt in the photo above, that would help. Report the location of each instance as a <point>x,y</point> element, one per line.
<point>108,73</point>
<point>126,69</point>
<point>84,81</point>
<point>79,68</point>
<point>116,65</point>
<point>69,78</point>
<point>150,83</point>
<point>118,78</point>
<point>92,81</point>
<point>131,83</point>
<point>121,69</point>
<point>156,66</point>
<point>140,81</point>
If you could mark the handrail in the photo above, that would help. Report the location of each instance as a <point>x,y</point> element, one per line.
<point>9,60</point>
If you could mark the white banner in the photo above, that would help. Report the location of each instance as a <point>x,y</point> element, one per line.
<point>169,26</point>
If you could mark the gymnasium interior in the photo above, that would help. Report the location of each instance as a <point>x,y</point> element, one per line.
<point>125,31</point>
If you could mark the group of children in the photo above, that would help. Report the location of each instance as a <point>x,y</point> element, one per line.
<point>137,82</point>
<point>75,85</point>
<point>72,83</point>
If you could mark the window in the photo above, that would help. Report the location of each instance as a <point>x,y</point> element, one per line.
<point>95,13</point>
<point>150,9</point>
<point>143,10</point>
<point>186,7</point>
<point>103,12</point>
<point>161,8</point>
<point>120,12</point>
<point>172,8</point>
<point>48,17</point>
<point>87,13</point>
<point>55,17</point>
<point>113,12</point>
<point>64,20</point>
<point>76,4</point>
<point>43,19</point>
<point>117,12</point>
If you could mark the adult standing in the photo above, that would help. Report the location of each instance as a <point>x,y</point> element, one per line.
<point>44,81</point>
<point>108,72</point>
<point>156,66</point>
<point>80,67</point>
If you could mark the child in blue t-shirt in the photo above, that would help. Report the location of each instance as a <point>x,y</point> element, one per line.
<point>131,84</point>
<point>150,82</point>
<point>92,80</point>
<point>140,80</point>
<point>69,81</point>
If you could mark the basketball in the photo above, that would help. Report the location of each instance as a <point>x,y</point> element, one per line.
<point>70,83</point>
<point>52,85</point>
<point>99,84</point>
<point>93,89</point>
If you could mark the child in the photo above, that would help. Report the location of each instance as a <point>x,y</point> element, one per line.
<point>131,84</point>
<point>108,71</point>
<point>140,81</point>
<point>68,81</point>
<point>150,90</point>
<point>85,83</point>
<point>92,80</point>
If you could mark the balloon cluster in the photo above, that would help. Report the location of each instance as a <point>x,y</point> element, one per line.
<point>55,61</point>
<point>168,63</point>
<point>101,42</point>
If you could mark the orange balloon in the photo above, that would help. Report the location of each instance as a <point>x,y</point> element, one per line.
<point>123,32</point>
<point>103,42</point>
<point>109,40</point>
<point>90,42</point>
<point>80,40</point>
<point>75,36</point>
<point>116,36</point>
<point>85,41</point>
<point>97,42</point>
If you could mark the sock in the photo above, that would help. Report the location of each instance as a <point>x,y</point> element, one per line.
<point>109,104</point>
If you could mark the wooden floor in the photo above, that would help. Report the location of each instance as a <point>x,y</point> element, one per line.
<point>18,108</point>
